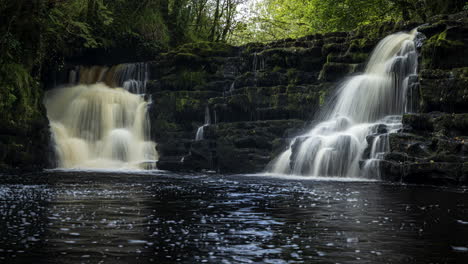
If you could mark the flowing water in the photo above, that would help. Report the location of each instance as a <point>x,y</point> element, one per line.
<point>101,121</point>
<point>200,130</point>
<point>370,104</point>
<point>155,217</point>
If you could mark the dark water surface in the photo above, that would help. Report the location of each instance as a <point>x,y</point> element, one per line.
<point>83,217</point>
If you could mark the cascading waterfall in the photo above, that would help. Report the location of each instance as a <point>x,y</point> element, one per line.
<point>367,106</point>
<point>200,132</point>
<point>101,120</point>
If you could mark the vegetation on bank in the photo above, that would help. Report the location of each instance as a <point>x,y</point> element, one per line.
<point>278,19</point>
<point>38,35</point>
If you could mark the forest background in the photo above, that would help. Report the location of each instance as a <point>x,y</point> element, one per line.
<point>37,35</point>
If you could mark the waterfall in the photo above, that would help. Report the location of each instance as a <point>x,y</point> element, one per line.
<point>366,106</point>
<point>199,136</point>
<point>102,122</point>
<point>131,76</point>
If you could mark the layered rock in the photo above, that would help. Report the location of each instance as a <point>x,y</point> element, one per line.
<point>432,147</point>
<point>261,95</point>
<point>258,96</point>
<point>25,145</point>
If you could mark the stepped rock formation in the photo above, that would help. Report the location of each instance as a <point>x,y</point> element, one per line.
<point>260,96</point>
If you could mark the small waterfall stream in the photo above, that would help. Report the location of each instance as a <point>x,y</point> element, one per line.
<point>200,132</point>
<point>367,106</point>
<point>101,120</point>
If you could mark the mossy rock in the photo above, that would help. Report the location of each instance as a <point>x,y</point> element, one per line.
<point>181,107</point>
<point>439,173</point>
<point>433,29</point>
<point>444,90</point>
<point>362,45</point>
<point>333,71</point>
<point>446,50</point>
<point>187,59</point>
<point>207,49</point>
<point>334,47</point>
<point>349,57</point>
<point>419,122</point>
<point>183,80</point>
<point>452,124</point>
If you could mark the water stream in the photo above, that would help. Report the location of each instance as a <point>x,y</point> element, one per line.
<point>200,131</point>
<point>370,104</point>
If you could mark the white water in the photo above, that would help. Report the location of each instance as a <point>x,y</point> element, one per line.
<point>367,104</point>
<point>98,125</point>
<point>201,130</point>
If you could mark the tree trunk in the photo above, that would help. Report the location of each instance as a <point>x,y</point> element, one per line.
<point>215,21</point>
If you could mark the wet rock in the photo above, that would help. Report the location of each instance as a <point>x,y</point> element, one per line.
<point>254,93</point>
<point>446,50</point>
<point>444,90</point>
<point>419,122</point>
<point>333,71</point>
<point>25,145</point>
<point>439,173</point>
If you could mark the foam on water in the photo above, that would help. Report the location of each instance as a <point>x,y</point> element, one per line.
<point>308,178</point>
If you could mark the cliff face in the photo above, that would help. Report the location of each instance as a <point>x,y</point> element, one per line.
<point>261,95</point>
<point>433,146</point>
<point>24,128</point>
<point>258,96</point>
<point>25,144</point>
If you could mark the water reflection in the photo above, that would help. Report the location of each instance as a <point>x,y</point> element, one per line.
<point>77,217</point>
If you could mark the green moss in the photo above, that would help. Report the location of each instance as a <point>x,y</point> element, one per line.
<point>216,100</point>
<point>164,125</point>
<point>184,80</point>
<point>332,47</point>
<point>19,94</point>
<point>360,44</point>
<point>322,96</point>
<point>444,50</point>
<point>240,101</point>
<point>186,57</point>
<point>292,76</point>
<point>187,102</point>
<point>333,71</point>
<point>277,69</point>
<point>441,40</point>
<point>206,49</point>
<point>349,57</point>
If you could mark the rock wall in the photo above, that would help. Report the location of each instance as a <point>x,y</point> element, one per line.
<point>261,95</point>
<point>25,145</point>
<point>258,96</point>
<point>433,146</point>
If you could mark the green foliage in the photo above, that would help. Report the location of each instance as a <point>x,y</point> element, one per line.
<point>18,93</point>
<point>295,18</point>
<point>37,37</point>
<point>278,19</point>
